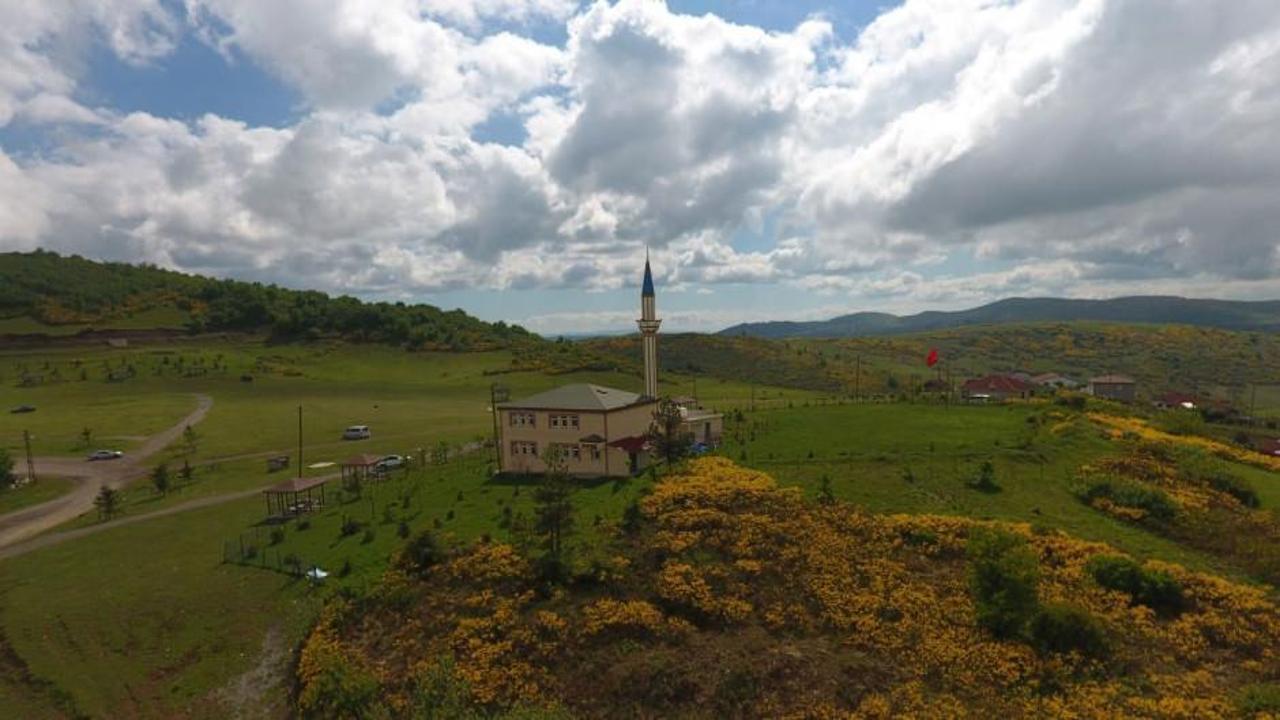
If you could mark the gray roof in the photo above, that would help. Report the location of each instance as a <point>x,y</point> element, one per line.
<point>579,396</point>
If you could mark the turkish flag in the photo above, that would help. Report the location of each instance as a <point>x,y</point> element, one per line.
<point>932,359</point>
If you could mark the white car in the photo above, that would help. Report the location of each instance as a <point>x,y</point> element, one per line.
<point>106,455</point>
<point>357,432</point>
<point>390,462</point>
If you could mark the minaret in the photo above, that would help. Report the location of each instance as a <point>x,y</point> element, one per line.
<point>649,323</point>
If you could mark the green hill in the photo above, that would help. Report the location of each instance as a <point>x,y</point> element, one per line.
<point>1226,314</point>
<point>50,294</point>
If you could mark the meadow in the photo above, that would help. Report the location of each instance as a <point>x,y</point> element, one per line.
<point>171,616</point>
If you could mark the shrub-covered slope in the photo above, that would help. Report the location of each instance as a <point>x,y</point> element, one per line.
<point>730,597</point>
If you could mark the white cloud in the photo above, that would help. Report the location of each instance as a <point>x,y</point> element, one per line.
<point>1077,142</point>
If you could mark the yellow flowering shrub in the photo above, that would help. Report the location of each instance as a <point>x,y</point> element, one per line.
<point>739,599</point>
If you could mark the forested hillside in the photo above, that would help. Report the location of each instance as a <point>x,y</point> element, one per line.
<point>1161,357</point>
<point>42,291</point>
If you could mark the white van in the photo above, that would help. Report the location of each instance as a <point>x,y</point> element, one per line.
<point>357,432</point>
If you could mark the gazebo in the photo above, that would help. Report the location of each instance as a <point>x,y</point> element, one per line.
<point>359,468</point>
<point>294,497</point>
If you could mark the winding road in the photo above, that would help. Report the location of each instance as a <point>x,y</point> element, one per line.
<point>88,478</point>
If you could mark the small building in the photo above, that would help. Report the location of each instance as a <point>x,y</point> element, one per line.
<point>1269,447</point>
<point>296,496</point>
<point>1176,401</point>
<point>996,388</point>
<point>358,468</point>
<point>706,427</point>
<point>1055,381</point>
<point>1120,388</point>
<point>602,431</point>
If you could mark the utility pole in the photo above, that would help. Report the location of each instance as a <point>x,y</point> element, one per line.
<point>753,396</point>
<point>497,394</point>
<point>31,464</point>
<point>1253,403</point>
<point>695,390</point>
<point>299,441</point>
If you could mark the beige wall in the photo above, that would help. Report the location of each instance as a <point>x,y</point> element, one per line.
<point>614,425</point>
<point>706,429</point>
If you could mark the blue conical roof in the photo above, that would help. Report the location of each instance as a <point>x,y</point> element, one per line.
<point>647,290</point>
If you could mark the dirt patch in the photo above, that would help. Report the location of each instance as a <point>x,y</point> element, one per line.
<point>260,692</point>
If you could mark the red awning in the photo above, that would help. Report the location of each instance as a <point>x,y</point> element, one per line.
<point>632,444</point>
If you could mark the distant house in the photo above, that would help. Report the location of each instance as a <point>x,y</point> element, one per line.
<point>996,388</point>
<point>1269,447</point>
<point>1176,401</point>
<point>1054,380</point>
<point>1120,388</point>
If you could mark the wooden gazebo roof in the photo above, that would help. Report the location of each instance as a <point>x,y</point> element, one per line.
<point>364,460</point>
<point>296,485</point>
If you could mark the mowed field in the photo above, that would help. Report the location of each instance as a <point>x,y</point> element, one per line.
<point>149,620</point>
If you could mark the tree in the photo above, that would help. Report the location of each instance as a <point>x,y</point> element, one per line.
<point>160,478</point>
<point>186,473</point>
<point>826,495</point>
<point>190,439</point>
<point>667,432</point>
<point>1003,576</point>
<point>7,478</point>
<point>553,512</point>
<point>86,437</point>
<point>107,501</point>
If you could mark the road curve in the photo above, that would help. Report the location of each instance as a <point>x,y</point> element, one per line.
<point>88,478</point>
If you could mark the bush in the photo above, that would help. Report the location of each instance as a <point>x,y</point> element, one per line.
<point>368,536</point>
<point>1235,486</point>
<point>1131,494</point>
<point>1062,628</point>
<point>420,554</point>
<point>402,530</point>
<point>350,526</point>
<point>1261,699</point>
<point>1181,422</point>
<point>277,535</point>
<point>1003,576</point>
<point>1154,588</point>
<point>985,479</point>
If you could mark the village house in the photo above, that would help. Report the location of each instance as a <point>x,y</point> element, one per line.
<point>1120,388</point>
<point>996,388</point>
<point>1054,380</point>
<point>600,430</point>
<point>1176,401</point>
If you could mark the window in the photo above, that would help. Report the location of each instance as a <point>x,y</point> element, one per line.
<point>519,419</point>
<point>575,452</point>
<point>595,452</point>
<point>519,447</point>
<point>565,422</point>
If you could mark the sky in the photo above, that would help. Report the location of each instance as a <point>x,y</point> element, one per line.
<point>777,160</point>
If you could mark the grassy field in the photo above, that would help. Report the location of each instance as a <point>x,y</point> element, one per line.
<point>16,498</point>
<point>147,620</point>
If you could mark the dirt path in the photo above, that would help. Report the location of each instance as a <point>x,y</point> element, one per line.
<point>57,538</point>
<point>88,478</point>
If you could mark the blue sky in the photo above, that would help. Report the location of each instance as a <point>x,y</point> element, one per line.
<point>516,158</point>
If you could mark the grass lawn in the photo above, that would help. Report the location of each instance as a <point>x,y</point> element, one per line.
<point>46,489</point>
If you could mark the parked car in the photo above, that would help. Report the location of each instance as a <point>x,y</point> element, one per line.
<point>390,462</point>
<point>23,409</point>
<point>106,455</point>
<point>357,432</point>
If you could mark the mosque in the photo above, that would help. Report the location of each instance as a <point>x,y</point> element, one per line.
<point>602,431</point>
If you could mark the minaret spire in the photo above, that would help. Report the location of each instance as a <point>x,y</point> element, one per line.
<point>648,324</point>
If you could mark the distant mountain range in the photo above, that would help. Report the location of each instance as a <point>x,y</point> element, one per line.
<point>1225,314</point>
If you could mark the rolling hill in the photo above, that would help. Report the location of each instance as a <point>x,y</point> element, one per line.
<point>43,293</point>
<point>1224,314</point>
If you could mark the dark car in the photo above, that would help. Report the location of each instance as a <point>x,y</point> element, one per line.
<point>23,409</point>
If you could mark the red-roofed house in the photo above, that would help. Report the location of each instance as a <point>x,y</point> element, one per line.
<point>1176,401</point>
<point>996,388</point>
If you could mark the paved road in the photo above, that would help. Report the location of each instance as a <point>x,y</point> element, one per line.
<point>88,478</point>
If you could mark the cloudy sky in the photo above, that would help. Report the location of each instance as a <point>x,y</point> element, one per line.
<point>781,159</point>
